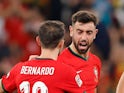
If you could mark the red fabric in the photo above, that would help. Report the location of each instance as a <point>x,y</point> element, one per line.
<point>26,76</point>
<point>88,69</point>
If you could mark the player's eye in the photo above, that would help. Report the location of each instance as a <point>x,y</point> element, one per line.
<point>89,32</point>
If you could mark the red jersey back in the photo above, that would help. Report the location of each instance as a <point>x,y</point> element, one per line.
<point>89,69</point>
<point>42,76</point>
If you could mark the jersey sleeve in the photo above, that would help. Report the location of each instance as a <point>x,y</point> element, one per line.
<point>99,64</point>
<point>99,67</point>
<point>8,81</point>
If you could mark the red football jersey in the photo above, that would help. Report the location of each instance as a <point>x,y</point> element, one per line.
<point>89,69</point>
<point>42,76</point>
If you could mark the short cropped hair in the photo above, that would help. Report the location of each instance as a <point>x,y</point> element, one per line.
<point>51,32</point>
<point>84,17</point>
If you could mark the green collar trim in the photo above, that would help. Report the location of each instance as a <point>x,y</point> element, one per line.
<point>77,54</point>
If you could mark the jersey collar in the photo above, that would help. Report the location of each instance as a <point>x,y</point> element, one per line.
<point>77,54</point>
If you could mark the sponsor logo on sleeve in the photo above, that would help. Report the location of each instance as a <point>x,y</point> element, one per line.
<point>79,71</point>
<point>78,80</point>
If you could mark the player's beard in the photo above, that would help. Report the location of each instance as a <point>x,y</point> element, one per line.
<point>82,51</point>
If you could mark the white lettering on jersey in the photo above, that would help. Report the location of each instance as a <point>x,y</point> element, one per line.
<point>78,80</point>
<point>37,70</point>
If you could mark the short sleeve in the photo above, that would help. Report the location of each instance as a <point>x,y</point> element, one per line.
<point>8,81</point>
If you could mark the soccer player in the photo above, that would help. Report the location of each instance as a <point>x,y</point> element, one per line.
<point>44,74</point>
<point>83,32</point>
<point>120,86</point>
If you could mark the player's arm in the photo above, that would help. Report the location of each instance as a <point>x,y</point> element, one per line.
<point>120,86</point>
<point>1,88</point>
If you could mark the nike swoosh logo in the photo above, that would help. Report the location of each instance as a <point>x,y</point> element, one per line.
<point>79,71</point>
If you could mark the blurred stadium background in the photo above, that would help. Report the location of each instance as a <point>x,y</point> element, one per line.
<point>19,23</point>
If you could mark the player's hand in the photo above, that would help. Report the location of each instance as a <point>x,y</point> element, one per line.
<point>31,57</point>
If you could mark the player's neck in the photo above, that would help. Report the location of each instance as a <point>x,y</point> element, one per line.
<point>47,53</point>
<point>86,55</point>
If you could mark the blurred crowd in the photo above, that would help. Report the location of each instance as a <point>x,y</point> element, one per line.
<point>20,20</point>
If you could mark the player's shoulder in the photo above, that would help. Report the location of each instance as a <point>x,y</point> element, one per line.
<point>21,63</point>
<point>65,53</point>
<point>95,58</point>
<point>18,64</point>
<point>64,67</point>
<point>16,68</point>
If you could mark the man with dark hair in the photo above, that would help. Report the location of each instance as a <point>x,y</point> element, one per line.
<point>83,32</point>
<point>44,74</point>
<point>77,55</point>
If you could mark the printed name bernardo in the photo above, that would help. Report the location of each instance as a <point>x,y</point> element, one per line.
<point>37,70</point>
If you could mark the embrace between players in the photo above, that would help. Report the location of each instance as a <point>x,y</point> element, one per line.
<point>75,70</point>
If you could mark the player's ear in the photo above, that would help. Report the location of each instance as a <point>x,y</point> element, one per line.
<point>71,30</point>
<point>95,34</point>
<point>96,31</point>
<point>61,44</point>
<point>38,41</point>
